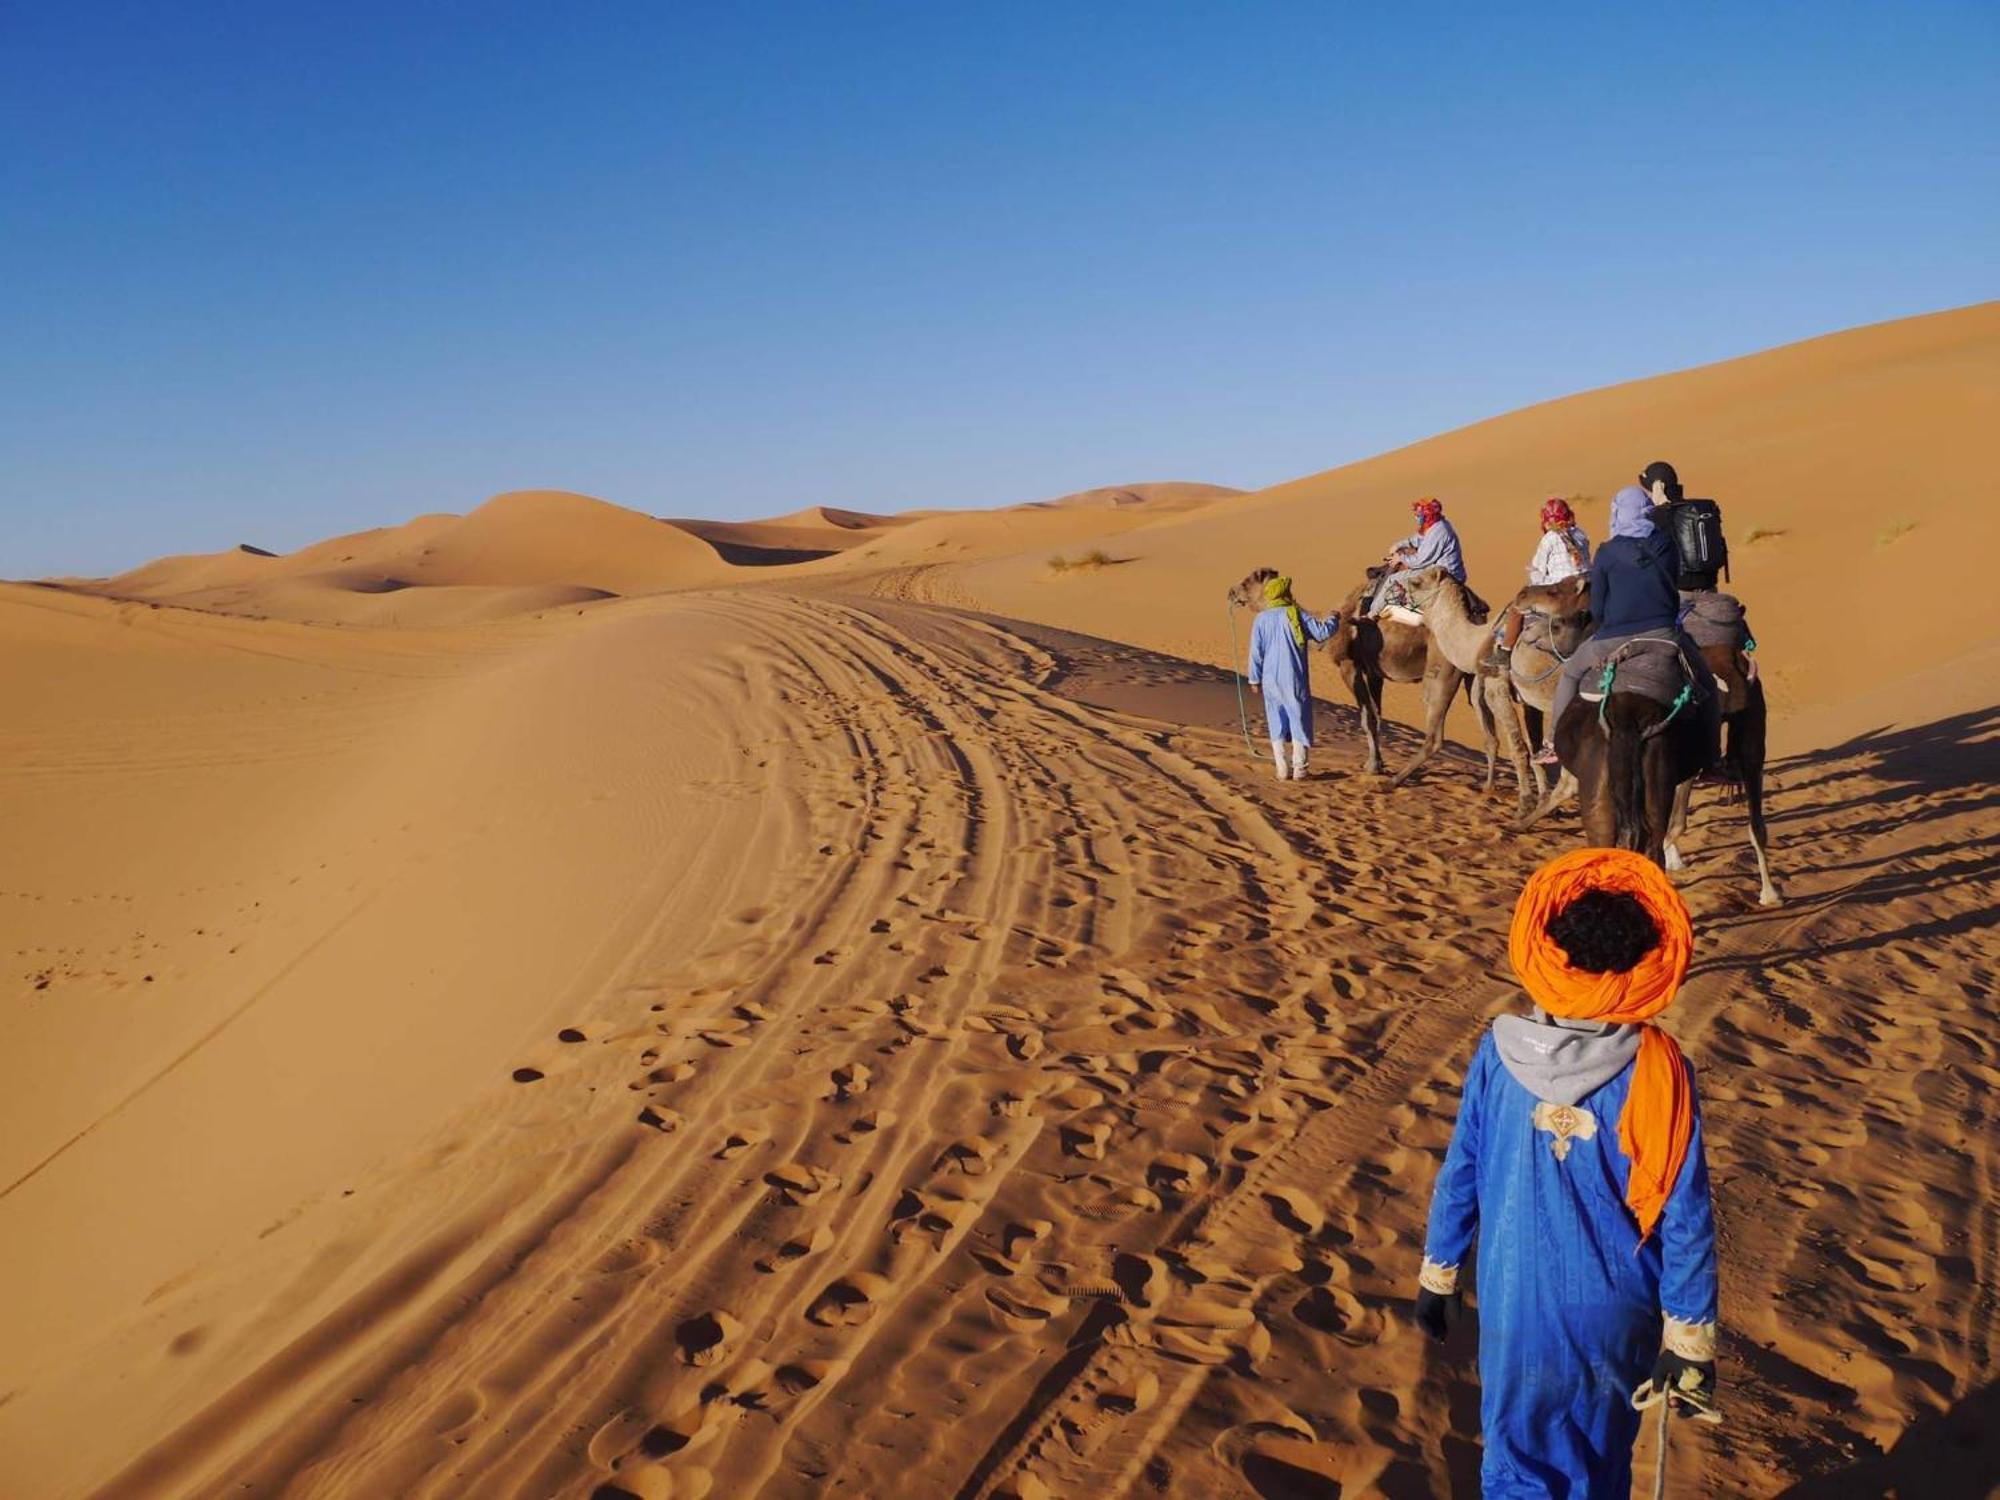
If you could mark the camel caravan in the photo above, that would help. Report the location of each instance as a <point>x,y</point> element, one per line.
<point>1628,675</point>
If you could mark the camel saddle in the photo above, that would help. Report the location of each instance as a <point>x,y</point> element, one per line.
<point>1716,623</point>
<point>1650,666</point>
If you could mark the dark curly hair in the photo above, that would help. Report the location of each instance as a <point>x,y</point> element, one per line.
<point>1604,932</point>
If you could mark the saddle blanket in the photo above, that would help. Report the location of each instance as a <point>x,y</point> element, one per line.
<point>1649,666</point>
<point>1714,619</point>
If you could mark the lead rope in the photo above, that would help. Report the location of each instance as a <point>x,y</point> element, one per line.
<point>1660,1464</point>
<point>1242,714</point>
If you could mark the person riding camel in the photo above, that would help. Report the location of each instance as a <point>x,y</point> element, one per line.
<point>1633,597</point>
<point>1278,670</point>
<point>1577,1163</point>
<point>1563,552</point>
<point>1434,544</point>
<point>1710,617</point>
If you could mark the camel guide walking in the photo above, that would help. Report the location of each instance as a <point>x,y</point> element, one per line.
<point>1277,669</point>
<point>1577,1163</point>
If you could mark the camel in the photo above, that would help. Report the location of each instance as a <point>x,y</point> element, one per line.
<point>1368,653</point>
<point>1631,756</point>
<point>1745,721</point>
<point>1466,640</point>
<point>1459,633</point>
<point>1744,718</point>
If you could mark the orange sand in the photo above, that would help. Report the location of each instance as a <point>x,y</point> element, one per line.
<point>946,1064</point>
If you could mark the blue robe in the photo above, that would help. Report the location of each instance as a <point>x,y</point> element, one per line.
<point>1278,667</point>
<point>1569,1302</point>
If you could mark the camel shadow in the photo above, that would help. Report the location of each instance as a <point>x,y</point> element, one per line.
<point>1956,1452</point>
<point>1957,751</point>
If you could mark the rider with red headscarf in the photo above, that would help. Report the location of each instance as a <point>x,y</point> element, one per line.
<point>1433,545</point>
<point>1564,550</point>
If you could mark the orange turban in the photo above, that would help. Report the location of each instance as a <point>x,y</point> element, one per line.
<point>1658,1118</point>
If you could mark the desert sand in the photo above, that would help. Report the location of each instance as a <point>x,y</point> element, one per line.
<point>559,1002</point>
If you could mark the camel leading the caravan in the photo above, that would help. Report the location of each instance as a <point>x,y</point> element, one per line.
<point>1367,653</point>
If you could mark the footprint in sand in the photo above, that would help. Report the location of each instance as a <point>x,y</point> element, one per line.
<point>796,1249</point>
<point>639,1482</point>
<point>705,1339</point>
<point>1178,1172</point>
<point>740,1140</point>
<point>866,1123</point>
<point>660,1118</point>
<point>850,1301</point>
<point>1024,1307</point>
<point>806,1374</point>
<point>970,1154</point>
<point>1019,1235</point>
<point>850,1079</point>
<point>1086,1141</point>
<point>800,1184</point>
<point>1295,1210</point>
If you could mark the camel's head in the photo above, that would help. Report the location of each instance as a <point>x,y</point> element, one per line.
<point>1423,585</point>
<point>1251,590</point>
<point>1567,606</point>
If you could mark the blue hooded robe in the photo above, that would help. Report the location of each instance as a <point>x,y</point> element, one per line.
<point>1569,1301</point>
<point>1278,667</point>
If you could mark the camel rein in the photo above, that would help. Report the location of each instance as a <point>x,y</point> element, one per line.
<point>1242,714</point>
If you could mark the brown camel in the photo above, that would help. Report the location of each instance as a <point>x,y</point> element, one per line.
<point>1630,756</point>
<point>1368,653</point>
<point>1744,718</point>
<point>1459,630</point>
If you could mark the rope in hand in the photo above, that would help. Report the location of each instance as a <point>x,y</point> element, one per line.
<point>1242,714</point>
<point>1701,1407</point>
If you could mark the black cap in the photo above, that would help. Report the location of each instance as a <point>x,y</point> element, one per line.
<point>1661,472</point>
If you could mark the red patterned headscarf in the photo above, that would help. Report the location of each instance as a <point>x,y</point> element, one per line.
<point>1556,512</point>
<point>1429,510</point>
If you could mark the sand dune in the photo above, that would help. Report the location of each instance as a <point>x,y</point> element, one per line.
<point>526,550</point>
<point>1848,466</point>
<point>760,1035</point>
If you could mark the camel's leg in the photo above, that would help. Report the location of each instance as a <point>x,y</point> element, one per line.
<point>1746,748</point>
<point>1662,791</point>
<point>1677,827</point>
<point>1596,807</point>
<point>1506,712</point>
<point>1440,686</point>
<point>1531,726</point>
<point>1367,691</point>
<point>1564,789</point>
<point>1482,710</point>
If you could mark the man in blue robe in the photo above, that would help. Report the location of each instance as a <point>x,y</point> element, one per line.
<point>1277,669</point>
<point>1578,1165</point>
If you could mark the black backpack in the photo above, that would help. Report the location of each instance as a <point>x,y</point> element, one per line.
<point>1696,529</point>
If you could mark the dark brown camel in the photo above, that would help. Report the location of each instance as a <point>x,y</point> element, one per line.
<point>1368,653</point>
<point>1745,722</point>
<point>1629,755</point>
<point>1745,725</point>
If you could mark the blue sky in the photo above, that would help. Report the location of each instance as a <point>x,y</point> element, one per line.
<point>271,271</point>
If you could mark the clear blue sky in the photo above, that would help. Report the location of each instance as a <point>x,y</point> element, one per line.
<point>274,270</point>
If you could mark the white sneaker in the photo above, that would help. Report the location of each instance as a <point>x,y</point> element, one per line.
<point>1278,755</point>
<point>1298,761</point>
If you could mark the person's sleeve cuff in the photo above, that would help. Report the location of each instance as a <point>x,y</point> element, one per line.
<point>1695,1341</point>
<point>1436,1278</point>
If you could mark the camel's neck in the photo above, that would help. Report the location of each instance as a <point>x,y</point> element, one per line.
<point>1462,638</point>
